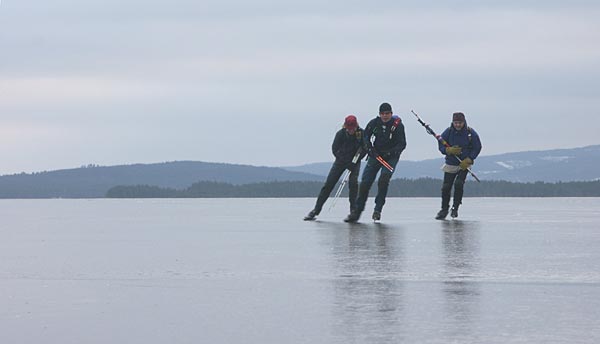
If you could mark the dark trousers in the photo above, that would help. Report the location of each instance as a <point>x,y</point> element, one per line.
<point>336,171</point>
<point>368,177</point>
<point>458,179</point>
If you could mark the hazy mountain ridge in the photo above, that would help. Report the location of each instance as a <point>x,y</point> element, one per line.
<point>574,164</point>
<point>94,181</point>
<point>577,164</point>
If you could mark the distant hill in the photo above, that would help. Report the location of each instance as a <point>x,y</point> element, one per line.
<point>95,181</point>
<point>576,164</point>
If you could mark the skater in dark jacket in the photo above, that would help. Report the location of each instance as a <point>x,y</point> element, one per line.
<point>384,137</point>
<point>464,145</point>
<point>348,150</point>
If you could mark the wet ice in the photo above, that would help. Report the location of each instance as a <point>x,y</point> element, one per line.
<point>250,270</point>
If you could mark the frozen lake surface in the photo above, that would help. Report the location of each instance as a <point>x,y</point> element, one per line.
<point>510,270</point>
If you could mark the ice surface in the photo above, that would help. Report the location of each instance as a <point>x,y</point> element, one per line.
<point>510,270</point>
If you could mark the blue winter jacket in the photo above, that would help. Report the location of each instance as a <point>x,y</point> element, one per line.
<point>470,146</point>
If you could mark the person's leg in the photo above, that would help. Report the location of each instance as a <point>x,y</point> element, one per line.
<point>353,184</point>
<point>383,184</point>
<point>367,179</point>
<point>459,184</point>
<point>334,175</point>
<point>446,190</point>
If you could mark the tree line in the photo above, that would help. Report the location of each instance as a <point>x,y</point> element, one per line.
<point>423,187</point>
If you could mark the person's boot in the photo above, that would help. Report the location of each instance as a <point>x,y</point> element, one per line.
<point>311,216</point>
<point>441,215</point>
<point>454,212</point>
<point>352,217</point>
<point>376,215</point>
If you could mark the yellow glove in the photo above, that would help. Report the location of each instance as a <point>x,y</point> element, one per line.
<point>466,163</point>
<point>454,150</point>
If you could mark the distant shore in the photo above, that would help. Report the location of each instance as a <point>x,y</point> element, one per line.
<point>423,187</point>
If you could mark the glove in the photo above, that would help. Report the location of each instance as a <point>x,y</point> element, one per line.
<point>373,152</point>
<point>466,163</point>
<point>454,150</point>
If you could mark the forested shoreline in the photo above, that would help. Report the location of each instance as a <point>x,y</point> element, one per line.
<point>424,187</point>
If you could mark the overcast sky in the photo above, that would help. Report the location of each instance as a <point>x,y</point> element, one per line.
<point>269,82</point>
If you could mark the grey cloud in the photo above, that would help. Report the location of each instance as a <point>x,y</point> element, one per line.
<point>287,73</point>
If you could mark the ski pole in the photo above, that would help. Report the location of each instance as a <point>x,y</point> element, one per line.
<point>344,181</point>
<point>441,139</point>
<point>339,190</point>
<point>384,163</point>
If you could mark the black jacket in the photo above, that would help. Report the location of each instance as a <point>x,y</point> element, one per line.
<point>388,141</point>
<point>345,146</point>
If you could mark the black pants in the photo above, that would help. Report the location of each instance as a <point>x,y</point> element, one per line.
<point>458,179</point>
<point>332,178</point>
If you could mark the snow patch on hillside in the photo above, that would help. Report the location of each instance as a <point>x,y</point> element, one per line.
<point>505,165</point>
<point>513,164</point>
<point>555,158</point>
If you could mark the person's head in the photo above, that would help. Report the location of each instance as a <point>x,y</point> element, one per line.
<point>458,120</point>
<point>385,112</point>
<point>350,124</point>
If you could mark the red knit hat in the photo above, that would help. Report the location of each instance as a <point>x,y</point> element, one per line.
<point>350,122</point>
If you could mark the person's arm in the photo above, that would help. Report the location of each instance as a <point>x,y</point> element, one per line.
<point>362,149</point>
<point>399,141</point>
<point>367,133</point>
<point>338,141</point>
<point>476,143</point>
<point>446,136</point>
<point>400,145</point>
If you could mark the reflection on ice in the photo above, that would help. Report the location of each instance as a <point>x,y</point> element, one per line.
<point>460,261</point>
<point>460,247</point>
<point>367,292</point>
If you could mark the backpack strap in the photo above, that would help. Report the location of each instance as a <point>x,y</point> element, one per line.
<point>397,121</point>
<point>470,135</point>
